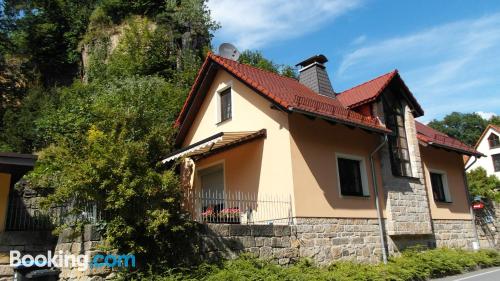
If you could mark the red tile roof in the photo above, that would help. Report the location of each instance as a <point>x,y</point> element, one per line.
<point>286,92</point>
<point>433,137</point>
<point>370,91</point>
<point>367,91</point>
<point>293,96</point>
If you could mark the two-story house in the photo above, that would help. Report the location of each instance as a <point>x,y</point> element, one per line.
<point>489,145</point>
<point>360,175</point>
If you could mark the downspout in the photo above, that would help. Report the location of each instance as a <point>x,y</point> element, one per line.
<point>473,217</point>
<point>377,203</point>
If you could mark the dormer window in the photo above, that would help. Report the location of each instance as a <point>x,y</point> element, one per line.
<point>398,143</point>
<point>225,106</point>
<point>494,141</point>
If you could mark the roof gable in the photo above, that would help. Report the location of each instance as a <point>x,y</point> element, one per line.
<point>491,127</point>
<point>284,92</point>
<point>369,91</point>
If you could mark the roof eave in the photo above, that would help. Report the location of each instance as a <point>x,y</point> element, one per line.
<point>462,151</point>
<point>340,121</point>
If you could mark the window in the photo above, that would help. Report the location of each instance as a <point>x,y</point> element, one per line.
<point>398,144</point>
<point>439,187</point>
<point>225,105</point>
<point>496,162</point>
<point>352,176</point>
<point>494,140</point>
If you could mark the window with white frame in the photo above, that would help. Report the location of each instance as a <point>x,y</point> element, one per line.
<point>439,183</point>
<point>225,105</point>
<point>352,177</point>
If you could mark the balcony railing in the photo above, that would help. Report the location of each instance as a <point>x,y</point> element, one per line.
<point>235,207</point>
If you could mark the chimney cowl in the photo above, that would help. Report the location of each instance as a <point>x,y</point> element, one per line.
<point>313,75</point>
<point>320,59</point>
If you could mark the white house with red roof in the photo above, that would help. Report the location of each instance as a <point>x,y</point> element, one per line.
<point>489,145</point>
<point>353,171</point>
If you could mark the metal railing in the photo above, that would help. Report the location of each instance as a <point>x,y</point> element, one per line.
<point>22,217</point>
<point>234,207</point>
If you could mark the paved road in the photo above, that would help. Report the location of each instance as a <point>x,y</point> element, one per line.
<point>489,274</point>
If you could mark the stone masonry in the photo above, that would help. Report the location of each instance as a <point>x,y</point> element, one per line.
<point>27,242</point>
<point>323,240</point>
<point>406,197</point>
<point>454,233</point>
<point>88,242</point>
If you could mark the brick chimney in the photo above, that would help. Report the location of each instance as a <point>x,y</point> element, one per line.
<point>313,75</point>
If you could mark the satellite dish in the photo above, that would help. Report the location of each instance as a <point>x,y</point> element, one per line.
<point>229,51</point>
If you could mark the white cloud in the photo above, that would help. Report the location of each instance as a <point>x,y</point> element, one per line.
<point>358,40</point>
<point>256,23</point>
<point>450,67</point>
<point>486,115</point>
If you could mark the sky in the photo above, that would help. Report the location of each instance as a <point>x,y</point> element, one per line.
<point>447,52</point>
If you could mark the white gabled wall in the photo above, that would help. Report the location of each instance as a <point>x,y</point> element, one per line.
<point>484,147</point>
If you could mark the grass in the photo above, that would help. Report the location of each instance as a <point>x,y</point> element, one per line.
<point>413,264</point>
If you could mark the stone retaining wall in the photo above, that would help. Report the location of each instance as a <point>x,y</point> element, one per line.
<point>87,243</point>
<point>323,240</point>
<point>27,242</point>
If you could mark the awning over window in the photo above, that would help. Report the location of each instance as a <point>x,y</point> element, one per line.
<point>222,140</point>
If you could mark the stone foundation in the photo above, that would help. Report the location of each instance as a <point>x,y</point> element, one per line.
<point>276,242</point>
<point>454,233</point>
<point>329,239</point>
<point>325,240</point>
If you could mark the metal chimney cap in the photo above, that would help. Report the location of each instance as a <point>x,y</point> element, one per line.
<point>321,59</point>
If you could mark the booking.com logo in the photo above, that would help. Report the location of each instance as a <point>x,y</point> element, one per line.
<point>61,259</point>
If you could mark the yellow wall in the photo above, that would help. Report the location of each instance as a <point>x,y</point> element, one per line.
<point>269,159</point>
<point>314,145</point>
<point>4,197</point>
<point>242,166</point>
<point>451,163</point>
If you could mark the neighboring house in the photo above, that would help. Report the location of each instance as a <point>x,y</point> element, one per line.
<point>276,150</point>
<point>489,145</point>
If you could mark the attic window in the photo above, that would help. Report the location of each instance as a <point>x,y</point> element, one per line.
<point>398,143</point>
<point>225,106</point>
<point>494,141</point>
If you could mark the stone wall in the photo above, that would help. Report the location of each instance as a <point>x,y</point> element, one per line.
<point>454,233</point>
<point>27,242</point>
<point>407,204</point>
<point>88,243</point>
<point>329,239</point>
<point>323,240</point>
<point>276,242</point>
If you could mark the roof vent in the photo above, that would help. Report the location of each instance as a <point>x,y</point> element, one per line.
<point>313,75</point>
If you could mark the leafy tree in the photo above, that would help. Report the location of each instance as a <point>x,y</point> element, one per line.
<point>101,140</point>
<point>255,58</point>
<point>466,127</point>
<point>111,159</point>
<point>480,184</point>
<point>45,34</point>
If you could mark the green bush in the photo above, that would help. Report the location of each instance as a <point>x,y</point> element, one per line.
<point>413,264</point>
